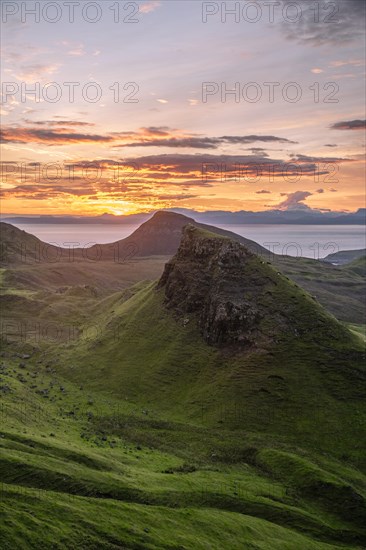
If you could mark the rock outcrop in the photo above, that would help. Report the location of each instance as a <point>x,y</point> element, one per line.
<point>234,295</point>
<point>206,278</point>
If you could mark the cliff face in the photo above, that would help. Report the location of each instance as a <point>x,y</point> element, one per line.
<point>206,278</point>
<point>236,297</point>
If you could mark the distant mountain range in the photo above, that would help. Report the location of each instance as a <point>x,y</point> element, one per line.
<point>221,217</point>
<point>301,217</point>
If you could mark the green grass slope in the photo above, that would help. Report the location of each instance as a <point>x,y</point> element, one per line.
<point>340,290</point>
<point>83,469</point>
<point>345,256</point>
<point>305,389</point>
<point>357,266</point>
<point>135,433</point>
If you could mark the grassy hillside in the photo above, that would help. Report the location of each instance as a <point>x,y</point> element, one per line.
<point>83,468</point>
<point>145,351</point>
<point>132,432</point>
<point>345,256</point>
<point>360,330</point>
<point>358,266</point>
<point>339,289</point>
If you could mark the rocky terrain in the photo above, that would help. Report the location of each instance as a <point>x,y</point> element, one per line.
<point>236,296</point>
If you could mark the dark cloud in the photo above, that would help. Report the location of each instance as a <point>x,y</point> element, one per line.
<point>211,164</point>
<point>192,142</point>
<point>49,137</point>
<point>157,130</point>
<point>258,151</point>
<point>349,125</point>
<point>263,191</point>
<point>330,145</point>
<point>254,138</point>
<point>337,22</point>
<point>213,167</point>
<point>204,142</point>
<point>320,190</point>
<point>57,123</point>
<point>305,158</point>
<point>145,137</point>
<point>175,197</point>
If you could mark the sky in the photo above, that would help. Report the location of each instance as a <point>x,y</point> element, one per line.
<point>120,107</point>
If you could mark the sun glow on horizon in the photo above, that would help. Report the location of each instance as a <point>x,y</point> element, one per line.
<point>118,212</point>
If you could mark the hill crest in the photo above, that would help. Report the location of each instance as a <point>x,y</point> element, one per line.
<point>237,297</point>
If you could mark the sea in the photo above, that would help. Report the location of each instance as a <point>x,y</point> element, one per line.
<point>308,241</point>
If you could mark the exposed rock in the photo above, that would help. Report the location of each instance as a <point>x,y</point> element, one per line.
<point>234,296</point>
<point>206,277</point>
